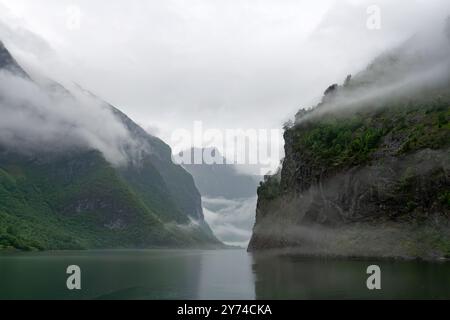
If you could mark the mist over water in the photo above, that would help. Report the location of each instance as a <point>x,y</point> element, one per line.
<point>231,220</point>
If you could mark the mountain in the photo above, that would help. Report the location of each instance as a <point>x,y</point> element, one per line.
<point>220,179</point>
<point>7,62</point>
<point>228,196</point>
<point>366,172</point>
<point>64,194</point>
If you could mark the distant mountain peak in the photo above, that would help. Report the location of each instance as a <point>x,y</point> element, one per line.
<point>219,179</point>
<point>201,152</point>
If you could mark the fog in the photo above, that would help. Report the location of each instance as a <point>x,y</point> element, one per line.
<point>37,118</point>
<point>422,62</point>
<point>391,241</point>
<point>231,220</point>
<point>231,64</point>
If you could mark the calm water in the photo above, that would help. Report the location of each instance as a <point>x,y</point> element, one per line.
<point>222,274</point>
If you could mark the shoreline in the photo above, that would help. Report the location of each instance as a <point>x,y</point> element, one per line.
<point>295,253</point>
<point>289,253</point>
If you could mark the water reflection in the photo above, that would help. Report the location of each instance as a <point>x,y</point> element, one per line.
<point>141,274</point>
<point>222,274</point>
<point>226,275</point>
<point>290,277</point>
<point>151,274</point>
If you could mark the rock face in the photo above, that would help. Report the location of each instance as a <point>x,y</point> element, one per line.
<point>363,177</point>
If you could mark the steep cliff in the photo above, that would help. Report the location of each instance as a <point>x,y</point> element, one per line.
<point>366,172</point>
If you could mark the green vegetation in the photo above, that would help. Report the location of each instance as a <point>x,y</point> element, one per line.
<point>373,155</point>
<point>334,142</point>
<point>73,198</point>
<point>80,201</point>
<point>269,189</point>
<point>444,198</point>
<point>351,139</point>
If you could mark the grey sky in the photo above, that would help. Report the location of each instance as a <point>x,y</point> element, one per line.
<point>230,63</point>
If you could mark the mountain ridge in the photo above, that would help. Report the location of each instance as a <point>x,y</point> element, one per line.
<point>75,199</point>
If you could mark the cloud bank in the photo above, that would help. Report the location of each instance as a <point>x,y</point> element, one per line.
<point>36,119</point>
<point>232,221</point>
<point>422,62</point>
<point>231,64</point>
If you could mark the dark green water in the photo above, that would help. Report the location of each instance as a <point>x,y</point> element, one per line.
<point>222,274</point>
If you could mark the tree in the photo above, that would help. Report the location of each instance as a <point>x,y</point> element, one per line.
<point>347,80</point>
<point>288,125</point>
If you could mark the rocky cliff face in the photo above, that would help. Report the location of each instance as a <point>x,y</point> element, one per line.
<point>365,174</point>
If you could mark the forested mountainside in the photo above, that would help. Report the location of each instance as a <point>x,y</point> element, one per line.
<point>366,172</point>
<point>69,196</point>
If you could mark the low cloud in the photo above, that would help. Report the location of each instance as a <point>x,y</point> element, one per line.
<point>422,62</point>
<point>230,64</point>
<point>35,118</point>
<point>231,220</point>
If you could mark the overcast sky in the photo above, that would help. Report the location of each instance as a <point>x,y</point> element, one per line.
<point>228,63</point>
